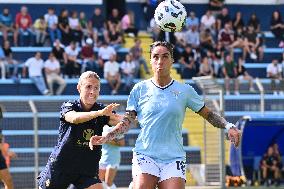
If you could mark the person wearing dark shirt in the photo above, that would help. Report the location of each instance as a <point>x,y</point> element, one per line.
<point>277,27</point>
<point>238,21</point>
<point>223,18</point>
<point>254,21</point>
<point>71,161</point>
<point>187,61</point>
<point>60,55</point>
<point>269,168</point>
<point>64,27</point>
<point>97,25</point>
<point>230,73</point>
<point>253,44</point>
<point>9,59</point>
<point>242,74</point>
<point>5,175</point>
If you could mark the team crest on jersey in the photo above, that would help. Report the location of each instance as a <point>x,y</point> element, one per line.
<point>176,93</point>
<point>47,183</point>
<point>88,133</point>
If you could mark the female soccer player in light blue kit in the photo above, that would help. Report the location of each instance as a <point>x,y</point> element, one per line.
<point>160,104</point>
<point>110,159</point>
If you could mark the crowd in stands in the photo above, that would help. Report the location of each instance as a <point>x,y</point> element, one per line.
<point>205,46</point>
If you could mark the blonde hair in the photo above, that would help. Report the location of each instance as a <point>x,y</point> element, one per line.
<point>86,75</point>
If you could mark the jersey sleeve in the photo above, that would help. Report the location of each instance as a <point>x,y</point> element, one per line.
<point>66,107</point>
<point>194,101</point>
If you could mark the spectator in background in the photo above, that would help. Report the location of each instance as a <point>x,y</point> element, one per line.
<point>192,37</point>
<point>223,18</point>
<point>137,53</point>
<point>277,27</point>
<point>216,6</point>
<point>52,25</point>
<point>230,73</point>
<point>274,72</point>
<point>88,56</point>
<point>128,68</point>
<point>188,64</point>
<point>191,21</point>
<point>112,75</point>
<point>254,21</point>
<point>97,25</point>
<point>239,40</point>
<point>114,37</point>
<point>226,36</point>
<point>6,26</point>
<point>205,68</point>
<point>84,25</point>
<point>114,20</point>
<point>106,51</point>
<point>75,27</point>
<point>110,159</point>
<point>238,21</point>
<point>243,74</point>
<point>64,27</point>
<point>208,21</point>
<point>73,67</point>
<point>40,27</point>
<point>269,168</point>
<point>52,73</point>
<point>253,44</point>
<point>206,40</point>
<point>24,26</point>
<point>128,24</point>
<point>35,66</point>
<point>59,53</point>
<point>9,60</point>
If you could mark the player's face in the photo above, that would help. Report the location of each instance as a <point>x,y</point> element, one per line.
<point>89,90</point>
<point>161,61</point>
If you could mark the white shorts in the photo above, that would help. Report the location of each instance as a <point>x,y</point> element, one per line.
<point>144,164</point>
<point>108,166</point>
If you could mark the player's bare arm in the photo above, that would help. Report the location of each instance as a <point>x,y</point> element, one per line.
<point>128,121</point>
<point>81,117</point>
<point>218,121</point>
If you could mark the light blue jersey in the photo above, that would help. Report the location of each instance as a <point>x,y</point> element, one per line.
<point>160,113</point>
<point>110,153</point>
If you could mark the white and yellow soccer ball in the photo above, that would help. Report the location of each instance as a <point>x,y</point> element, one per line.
<point>170,16</point>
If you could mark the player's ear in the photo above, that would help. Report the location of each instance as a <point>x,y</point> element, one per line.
<point>79,88</point>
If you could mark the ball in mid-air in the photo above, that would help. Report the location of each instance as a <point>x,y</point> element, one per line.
<point>170,15</point>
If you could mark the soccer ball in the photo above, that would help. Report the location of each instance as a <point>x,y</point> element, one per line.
<point>170,15</point>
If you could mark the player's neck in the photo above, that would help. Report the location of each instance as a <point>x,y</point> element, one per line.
<point>162,81</point>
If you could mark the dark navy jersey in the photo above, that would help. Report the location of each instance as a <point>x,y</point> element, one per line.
<point>72,153</point>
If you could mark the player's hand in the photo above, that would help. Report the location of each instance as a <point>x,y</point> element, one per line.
<point>234,136</point>
<point>107,111</point>
<point>97,140</point>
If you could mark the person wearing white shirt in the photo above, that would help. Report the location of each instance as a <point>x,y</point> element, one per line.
<point>112,75</point>
<point>52,73</point>
<point>35,66</point>
<point>274,71</point>
<point>128,72</point>
<point>73,67</point>
<point>208,22</point>
<point>105,52</point>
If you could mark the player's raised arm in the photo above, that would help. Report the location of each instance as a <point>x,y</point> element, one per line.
<point>218,121</point>
<point>81,117</point>
<point>129,119</point>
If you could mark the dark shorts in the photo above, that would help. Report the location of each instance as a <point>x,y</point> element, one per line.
<point>52,178</point>
<point>3,164</point>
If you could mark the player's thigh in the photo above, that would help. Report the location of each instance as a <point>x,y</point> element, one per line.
<point>5,176</point>
<point>102,173</point>
<point>174,182</point>
<point>145,181</point>
<point>96,186</point>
